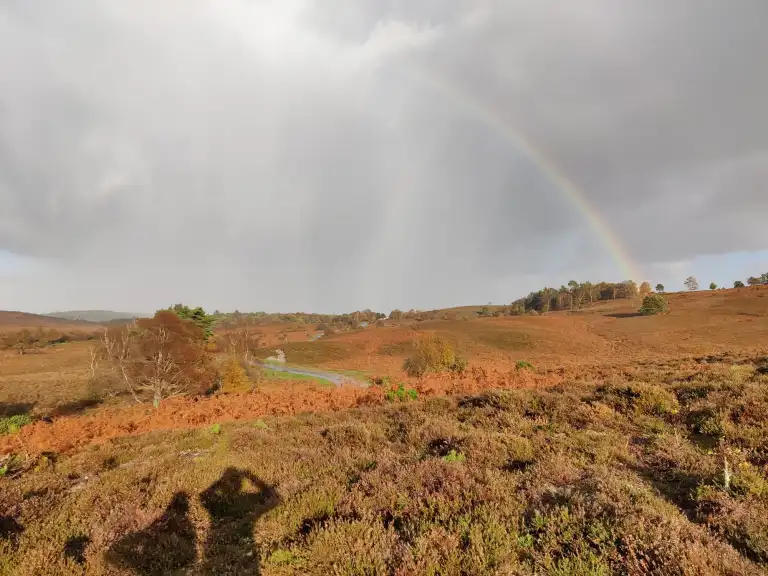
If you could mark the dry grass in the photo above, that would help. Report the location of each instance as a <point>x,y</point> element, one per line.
<point>612,476</point>
<point>50,381</point>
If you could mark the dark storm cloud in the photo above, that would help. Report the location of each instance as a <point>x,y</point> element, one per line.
<point>296,154</point>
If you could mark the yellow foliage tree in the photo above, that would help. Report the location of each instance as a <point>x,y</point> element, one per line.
<point>234,378</point>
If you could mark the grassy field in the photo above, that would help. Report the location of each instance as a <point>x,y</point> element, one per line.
<point>628,445</point>
<point>626,476</point>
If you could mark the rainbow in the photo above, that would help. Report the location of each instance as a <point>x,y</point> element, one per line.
<point>561,182</point>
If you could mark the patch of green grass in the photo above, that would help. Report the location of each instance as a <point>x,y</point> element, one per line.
<point>523,365</point>
<point>13,424</point>
<point>454,456</point>
<point>278,375</point>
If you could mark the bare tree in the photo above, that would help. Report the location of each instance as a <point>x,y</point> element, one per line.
<point>691,283</point>
<point>94,360</point>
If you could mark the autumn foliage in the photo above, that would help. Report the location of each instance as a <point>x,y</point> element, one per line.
<point>433,354</point>
<point>160,357</point>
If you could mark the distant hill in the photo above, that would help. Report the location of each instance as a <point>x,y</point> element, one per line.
<point>96,315</point>
<point>12,321</point>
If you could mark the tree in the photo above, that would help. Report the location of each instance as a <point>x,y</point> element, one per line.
<point>160,357</point>
<point>645,289</point>
<point>629,289</point>
<point>691,283</point>
<point>653,304</point>
<point>199,317</point>
<point>240,341</point>
<point>712,286</point>
<point>659,287</point>
<point>738,284</point>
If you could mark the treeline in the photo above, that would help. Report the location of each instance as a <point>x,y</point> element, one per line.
<point>323,321</point>
<point>26,340</point>
<point>576,295</point>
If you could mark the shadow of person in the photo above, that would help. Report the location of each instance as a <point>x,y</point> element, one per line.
<point>166,546</point>
<point>229,547</point>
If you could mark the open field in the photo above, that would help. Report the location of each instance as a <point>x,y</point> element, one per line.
<point>630,445</point>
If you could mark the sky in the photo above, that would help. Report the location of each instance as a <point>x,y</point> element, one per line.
<point>334,155</point>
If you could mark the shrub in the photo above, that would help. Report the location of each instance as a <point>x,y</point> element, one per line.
<point>401,394</point>
<point>639,398</point>
<point>653,304</point>
<point>524,365</point>
<point>433,354</point>
<point>379,380</point>
<point>707,421</point>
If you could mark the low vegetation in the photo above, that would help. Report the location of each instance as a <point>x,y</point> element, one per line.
<point>577,444</point>
<point>27,341</point>
<point>654,304</point>
<point>12,424</point>
<point>658,471</point>
<point>432,353</point>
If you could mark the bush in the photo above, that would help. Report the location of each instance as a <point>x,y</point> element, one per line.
<point>653,304</point>
<point>524,365</point>
<point>433,354</point>
<point>639,398</point>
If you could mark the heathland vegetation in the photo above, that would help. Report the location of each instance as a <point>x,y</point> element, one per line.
<point>593,429</point>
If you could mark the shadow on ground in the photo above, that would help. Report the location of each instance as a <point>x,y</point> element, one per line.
<point>10,529</point>
<point>14,408</point>
<point>76,407</point>
<point>169,544</point>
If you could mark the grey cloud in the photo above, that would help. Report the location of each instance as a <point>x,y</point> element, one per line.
<point>299,155</point>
